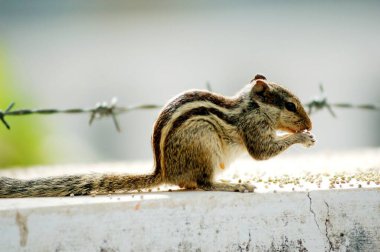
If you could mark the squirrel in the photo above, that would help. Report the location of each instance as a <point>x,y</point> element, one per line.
<point>197,134</point>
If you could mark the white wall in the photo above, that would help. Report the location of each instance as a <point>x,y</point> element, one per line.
<point>194,221</point>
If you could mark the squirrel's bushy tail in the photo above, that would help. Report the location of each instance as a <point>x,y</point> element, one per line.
<point>76,185</point>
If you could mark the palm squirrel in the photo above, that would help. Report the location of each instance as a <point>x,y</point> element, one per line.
<point>197,134</point>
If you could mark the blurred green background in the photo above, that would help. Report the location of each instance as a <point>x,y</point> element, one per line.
<point>24,145</point>
<point>64,54</point>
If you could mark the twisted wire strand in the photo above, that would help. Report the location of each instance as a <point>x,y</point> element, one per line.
<point>110,109</point>
<point>101,110</point>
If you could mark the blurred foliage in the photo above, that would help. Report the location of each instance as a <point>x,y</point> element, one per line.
<point>22,145</point>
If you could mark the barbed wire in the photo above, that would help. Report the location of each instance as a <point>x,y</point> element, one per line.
<point>100,110</point>
<point>110,109</point>
<point>321,102</point>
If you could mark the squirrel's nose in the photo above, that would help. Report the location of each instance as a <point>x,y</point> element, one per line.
<point>308,124</point>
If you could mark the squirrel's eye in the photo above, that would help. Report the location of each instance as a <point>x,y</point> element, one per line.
<point>290,106</point>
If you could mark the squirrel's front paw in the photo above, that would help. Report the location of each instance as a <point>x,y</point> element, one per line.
<point>307,139</point>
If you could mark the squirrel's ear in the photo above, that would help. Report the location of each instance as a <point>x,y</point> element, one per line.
<point>260,86</point>
<point>258,77</point>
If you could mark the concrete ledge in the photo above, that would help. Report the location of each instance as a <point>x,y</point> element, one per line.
<point>293,209</point>
<point>333,220</point>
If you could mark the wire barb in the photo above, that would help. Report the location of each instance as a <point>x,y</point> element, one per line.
<point>319,103</point>
<point>103,110</point>
<point>3,114</point>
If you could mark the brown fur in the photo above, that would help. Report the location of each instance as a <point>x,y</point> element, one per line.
<point>196,134</point>
<point>170,108</point>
